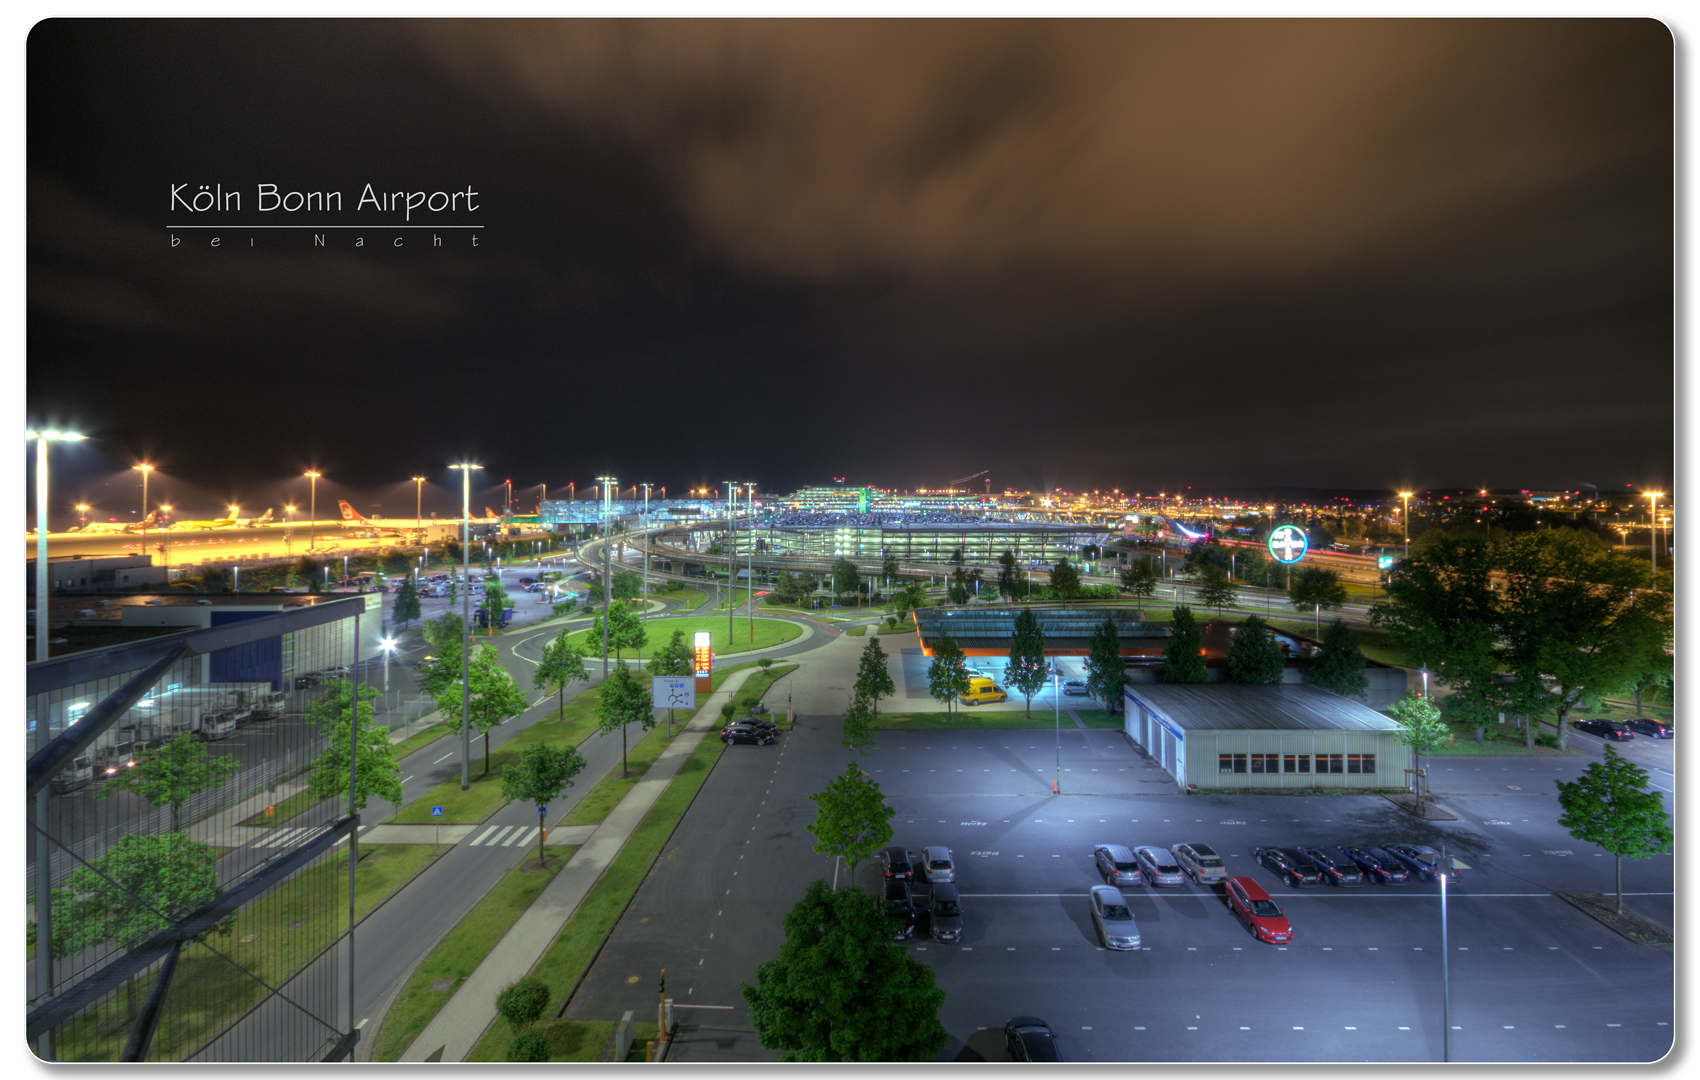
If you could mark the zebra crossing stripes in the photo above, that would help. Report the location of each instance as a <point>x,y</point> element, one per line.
<point>505,836</point>
<point>523,836</point>
<point>295,835</point>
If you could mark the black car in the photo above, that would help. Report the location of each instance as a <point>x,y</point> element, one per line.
<point>1606,729</point>
<point>1028,1038</point>
<point>1379,866</point>
<point>900,905</point>
<point>306,682</point>
<point>1421,860</point>
<point>754,725</point>
<point>897,862</point>
<point>1338,868</point>
<point>1655,729</point>
<point>1289,865</point>
<point>746,735</point>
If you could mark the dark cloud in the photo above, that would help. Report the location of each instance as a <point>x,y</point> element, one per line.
<point>1083,252</point>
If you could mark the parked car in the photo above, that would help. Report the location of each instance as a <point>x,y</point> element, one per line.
<point>1074,688</point>
<point>982,690</point>
<point>937,865</point>
<point>1605,729</point>
<point>1290,866</point>
<point>1261,915</point>
<point>752,722</point>
<point>306,682</point>
<point>1201,861</point>
<point>1338,868</point>
<point>900,905</point>
<point>1159,866</point>
<point>745,735</point>
<point>944,914</point>
<point>1028,1038</point>
<point>1113,920</point>
<point>1117,865</point>
<point>1379,866</point>
<point>1646,725</point>
<point>1421,860</point>
<point>898,862</point>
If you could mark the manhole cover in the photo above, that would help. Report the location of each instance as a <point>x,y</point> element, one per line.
<point>633,980</point>
<point>644,919</point>
<point>298,925</point>
<point>250,937</point>
<point>443,984</point>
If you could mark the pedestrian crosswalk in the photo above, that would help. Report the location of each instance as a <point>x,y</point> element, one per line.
<point>284,838</point>
<point>506,836</point>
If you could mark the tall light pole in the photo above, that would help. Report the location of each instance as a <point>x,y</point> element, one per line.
<point>419,502</point>
<point>731,575</point>
<point>144,469</point>
<point>83,513</point>
<point>1405,520</point>
<point>466,624</point>
<point>750,595</point>
<point>646,488</point>
<point>312,505</point>
<point>1653,523</point>
<point>607,483</point>
<point>288,531</point>
<point>42,438</point>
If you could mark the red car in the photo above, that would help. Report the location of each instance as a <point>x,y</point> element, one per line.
<point>1260,914</point>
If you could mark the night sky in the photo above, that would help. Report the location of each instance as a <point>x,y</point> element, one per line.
<point>1078,254</point>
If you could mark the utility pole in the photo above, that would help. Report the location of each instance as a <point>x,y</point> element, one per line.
<point>607,483</point>
<point>750,597</point>
<point>466,625</point>
<point>731,574</point>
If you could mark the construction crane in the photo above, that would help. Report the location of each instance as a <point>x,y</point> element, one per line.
<point>965,479</point>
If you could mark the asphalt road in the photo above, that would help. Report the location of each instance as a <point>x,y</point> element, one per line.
<point>1532,978</point>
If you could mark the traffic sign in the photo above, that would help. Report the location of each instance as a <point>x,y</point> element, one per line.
<point>673,692</point>
<point>436,811</point>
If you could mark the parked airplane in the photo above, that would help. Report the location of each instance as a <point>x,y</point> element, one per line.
<point>230,522</point>
<point>351,518</point>
<point>94,527</point>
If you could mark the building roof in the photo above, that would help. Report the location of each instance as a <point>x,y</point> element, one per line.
<point>999,623</point>
<point>1256,707</point>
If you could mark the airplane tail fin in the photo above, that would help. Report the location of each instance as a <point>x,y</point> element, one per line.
<point>351,515</point>
<point>267,516</point>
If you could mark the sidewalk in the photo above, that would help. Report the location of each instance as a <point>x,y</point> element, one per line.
<point>463,1018</point>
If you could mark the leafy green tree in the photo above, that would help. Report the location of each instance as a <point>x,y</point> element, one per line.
<point>890,567</point>
<point>169,775</point>
<point>1443,614</point>
<point>947,675</point>
<point>406,607</point>
<point>132,891</point>
<point>494,698</point>
<point>839,990</point>
<point>845,577</point>
<point>559,665</point>
<point>1216,589</point>
<point>543,773</point>
<point>1340,668</point>
<point>1183,658</point>
<point>1027,670</point>
<point>495,602</point>
<point>627,585</point>
<point>873,678</point>
<point>1255,657</point>
<point>958,588</point>
<point>859,724</point>
<point>454,591</point>
<point>957,556</point>
<point>1065,580</point>
<point>1204,553</point>
<point>1009,577</point>
<point>307,571</point>
<point>1250,564</point>
<point>563,608</point>
<point>1140,579</point>
<point>1609,805</point>
<point>624,701</point>
<point>625,630</point>
<point>376,771</point>
<point>1421,729</point>
<point>852,820</point>
<point>1106,670</point>
<point>1317,589</point>
<point>442,669</point>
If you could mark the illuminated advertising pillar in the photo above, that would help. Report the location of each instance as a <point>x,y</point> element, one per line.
<point>702,662</point>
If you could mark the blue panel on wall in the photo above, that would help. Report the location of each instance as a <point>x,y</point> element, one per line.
<point>257,661</point>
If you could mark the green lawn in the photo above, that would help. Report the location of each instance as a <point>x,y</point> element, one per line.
<point>768,632</point>
<point>1098,718</point>
<point>572,951</point>
<point>420,739</point>
<point>1375,644</point>
<point>857,631</point>
<point>689,599</point>
<point>904,627</point>
<point>284,810</point>
<point>274,937</point>
<point>1497,739</point>
<point>608,792</point>
<point>461,951</point>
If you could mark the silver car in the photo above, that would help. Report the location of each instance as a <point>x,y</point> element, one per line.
<point>1115,864</point>
<point>1113,920</point>
<point>1202,862</point>
<point>938,865</point>
<point>1160,867</point>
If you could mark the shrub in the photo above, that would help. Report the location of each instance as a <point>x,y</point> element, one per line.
<point>529,1045</point>
<point>521,1003</point>
<point>1549,741</point>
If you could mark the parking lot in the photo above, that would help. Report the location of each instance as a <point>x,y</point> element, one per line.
<point>1531,977</point>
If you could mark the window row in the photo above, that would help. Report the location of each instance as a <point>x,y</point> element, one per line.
<point>1295,763</point>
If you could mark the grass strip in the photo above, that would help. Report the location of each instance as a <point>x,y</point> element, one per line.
<point>419,740</point>
<point>461,951</point>
<point>1098,718</point>
<point>283,811</point>
<point>857,631</point>
<point>966,719</point>
<point>569,956</point>
<point>612,788</point>
<point>274,937</point>
<point>768,632</point>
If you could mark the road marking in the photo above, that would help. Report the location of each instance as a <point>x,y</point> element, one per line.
<point>444,758</point>
<point>528,834</point>
<point>1350,1028</point>
<point>486,832</point>
<point>408,778</point>
<point>362,1023</point>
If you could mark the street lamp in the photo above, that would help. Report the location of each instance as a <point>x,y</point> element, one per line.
<point>1653,523</point>
<point>144,469</point>
<point>419,502</point>
<point>607,486</point>
<point>466,624</point>
<point>288,531</point>
<point>388,645</point>
<point>83,513</point>
<point>731,575</point>
<point>42,438</point>
<point>313,505</point>
<point>1405,520</point>
<point>750,593</point>
<point>646,488</point>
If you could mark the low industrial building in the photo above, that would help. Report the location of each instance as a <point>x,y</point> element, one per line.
<point>95,573</point>
<point>1068,631</point>
<point>1270,736</point>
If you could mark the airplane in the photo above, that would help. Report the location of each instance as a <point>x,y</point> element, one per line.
<point>264,519</point>
<point>222,523</point>
<point>95,527</point>
<point>351,518</point>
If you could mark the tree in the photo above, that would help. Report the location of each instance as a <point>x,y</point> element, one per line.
<point>1204,553</point>
<point>852,820</point>
<point>958,588</point>
<point>1443,613</point>
<point>890,567</point>
<point>1316,589</point>
<point>406,607</point>
<point>306,570</point>
<point>859,724</point>
<point>839,990</point>
<point>495,602</point>
<point>1106,670</point>
<point>1009,578</point>
<point>133,890</point>
<point>1183,659</point>
<point>543,772</point>
<point>1027,670</point>
<point>627,585</point>
<point>1216,589</point>
<point>170,774</point>
<point>375,767</point>
<point>624,701</point>
<point>1065,580</point>
<point>494,698</point>
<point>625,630</point>
<point>454,591</point>
<point>560,664</point>
<point>442,669</point>
<point>1421,729</point>
<point>1340,668</point>
<point>845,577</point>
<point>521,1004</point>
<point>947,675</point>
<point>1140,579</point>
<point>1255,657</point>
<point>873,678</point>
<point>1609,805</point>
<point>674,658</point>
<point>1249,564</point>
